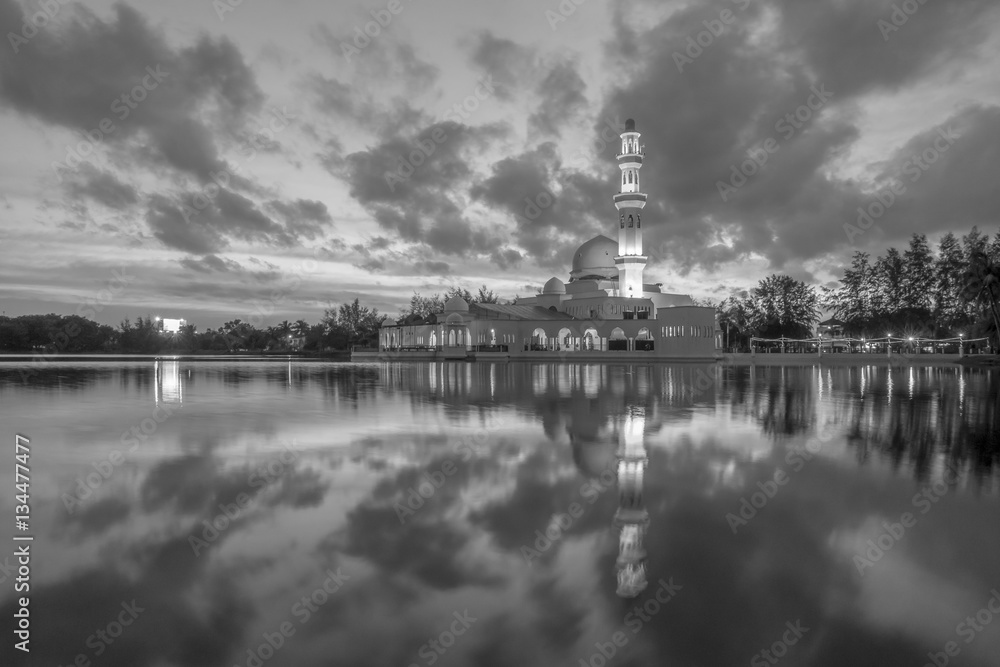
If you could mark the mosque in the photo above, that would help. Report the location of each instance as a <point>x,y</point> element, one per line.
<point>604,310</point>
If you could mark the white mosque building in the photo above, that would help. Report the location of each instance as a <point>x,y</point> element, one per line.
<point>605,309</point>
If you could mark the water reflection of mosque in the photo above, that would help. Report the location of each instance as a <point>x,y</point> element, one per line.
<point>632,518</point>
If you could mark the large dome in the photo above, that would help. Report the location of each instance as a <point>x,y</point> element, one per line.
<point>595,259</point>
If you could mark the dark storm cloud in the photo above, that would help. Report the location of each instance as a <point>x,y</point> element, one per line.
<point>93,519</point>
<point>179,107</point>
<point>384,109</point>
<point>562,99</point>
<point>240,217</point>
<point>381,60</point>
<point>303,217</point>
<point>422,206</point>
<point>228,215</point>
<point>169,225</point>
<point>846,48</point>
<point>506,258</point>
<point>729,100</point>
<point>506,60</point>
<point>554,209</point>
<point>210,264</point>
<point>99,185</point>
<point>75,73</point>
<point>516,70</point>
<point>431,268</point>
<point>954,188</point>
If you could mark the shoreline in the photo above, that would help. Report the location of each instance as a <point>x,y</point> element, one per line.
<point>185,356</point>
<point>728,359</point>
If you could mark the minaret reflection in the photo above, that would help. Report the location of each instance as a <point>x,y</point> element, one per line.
<point>631,517</point>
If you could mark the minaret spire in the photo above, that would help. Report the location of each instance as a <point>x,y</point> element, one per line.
<point>630,202</point>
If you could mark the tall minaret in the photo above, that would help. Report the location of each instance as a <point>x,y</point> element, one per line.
<point>629,203</point>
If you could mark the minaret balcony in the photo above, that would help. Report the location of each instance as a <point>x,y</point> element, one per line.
<point>630,199</point>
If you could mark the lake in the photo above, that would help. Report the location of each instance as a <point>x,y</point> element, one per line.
<point>240,512</point>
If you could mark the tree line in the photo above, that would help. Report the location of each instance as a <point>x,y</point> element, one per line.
<point>351,324</point>
<point>916,292</point>
<point>339,329</point>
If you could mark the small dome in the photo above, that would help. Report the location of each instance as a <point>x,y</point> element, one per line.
<point>554,286</point>
<point>389,322</point>
<point>456,304</point>
<point>595,260</point>
<point>630,125</point>
<point>454,318</point>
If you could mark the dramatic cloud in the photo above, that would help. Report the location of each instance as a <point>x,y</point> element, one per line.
<point>449,150</point>
<point>715,103</point>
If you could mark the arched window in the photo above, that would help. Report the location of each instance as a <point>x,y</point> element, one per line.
<point>638,220</point>
<point>623,220</point>
<point>630,224</point>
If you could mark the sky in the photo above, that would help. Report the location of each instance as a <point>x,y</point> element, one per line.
<point>262,160</point>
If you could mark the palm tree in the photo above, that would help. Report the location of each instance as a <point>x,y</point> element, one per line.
<point>982,286</point>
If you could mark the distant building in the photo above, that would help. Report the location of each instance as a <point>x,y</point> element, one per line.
<point>605,309</point>
<point>168,325</point>
<point>831,335</point>
<point>831,328</point>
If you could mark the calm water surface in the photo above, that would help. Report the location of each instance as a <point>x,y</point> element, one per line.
<point>320,467</point>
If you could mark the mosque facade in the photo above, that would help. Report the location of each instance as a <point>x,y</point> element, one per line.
<point>606,309</point>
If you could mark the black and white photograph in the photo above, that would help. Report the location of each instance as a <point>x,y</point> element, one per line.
<point>511,333</point>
